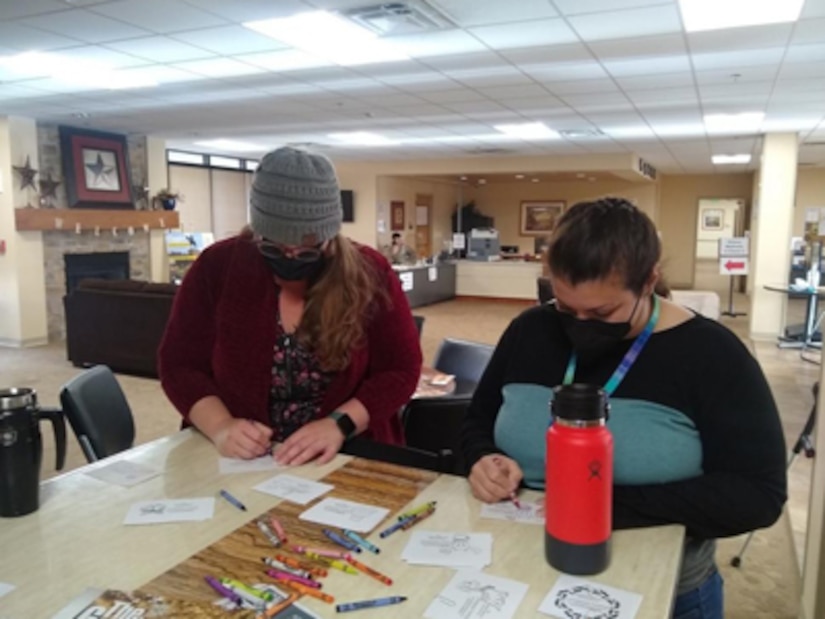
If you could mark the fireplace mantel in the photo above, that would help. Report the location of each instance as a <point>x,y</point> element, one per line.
<point>68,219</point>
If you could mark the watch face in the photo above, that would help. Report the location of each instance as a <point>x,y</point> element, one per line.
<point>345,424</point>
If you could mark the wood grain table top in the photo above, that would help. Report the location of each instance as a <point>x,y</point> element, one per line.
<point>77,540</point>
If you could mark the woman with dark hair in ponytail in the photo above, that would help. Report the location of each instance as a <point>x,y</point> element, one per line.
<point>290,332</point>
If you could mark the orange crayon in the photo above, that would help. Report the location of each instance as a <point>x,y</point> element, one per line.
<point>291,562</point>
<point>369,571</point>
<point>320,595</point>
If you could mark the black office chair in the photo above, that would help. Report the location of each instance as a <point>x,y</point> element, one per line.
<point>98,412</point>
<point>545,290</point>
<point>434,425</point>
<point>419,323</point>
<point>464,360</point>
<point>440,462</point>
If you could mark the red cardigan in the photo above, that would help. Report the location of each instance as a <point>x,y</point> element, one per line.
<point>222,329</point>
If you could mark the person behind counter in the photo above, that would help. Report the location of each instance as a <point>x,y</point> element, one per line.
<point>290,332</point>
<point>695,444</point>
<point>399,252</point>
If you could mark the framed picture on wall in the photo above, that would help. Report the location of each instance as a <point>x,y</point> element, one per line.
<point>713,219</point>
<point>396,215</point>
<point>538,218</point>
<point>96,169</point>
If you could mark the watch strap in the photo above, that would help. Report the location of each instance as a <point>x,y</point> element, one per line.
<point>344,423</point>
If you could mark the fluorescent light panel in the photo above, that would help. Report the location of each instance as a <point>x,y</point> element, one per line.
<point>730,159</point>
<point>361,138</point>
<point>528,131</point>
<point>328,36</point>
<point>699,15</point>
<point>73,71</point>
<point>235,146</point>
<point>746,122</point>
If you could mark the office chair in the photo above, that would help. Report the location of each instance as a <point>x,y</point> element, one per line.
<point>434,425</point>
<point>545,290</point>
<point>419,323</point>
<point>464,360</point>
<point>440,462</point>
<point>97,410</point>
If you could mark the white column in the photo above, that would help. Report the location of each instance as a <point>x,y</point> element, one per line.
<point>23,319</point>
<point>771,233</point>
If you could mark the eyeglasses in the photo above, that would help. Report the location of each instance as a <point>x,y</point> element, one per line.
<point>302,254</point>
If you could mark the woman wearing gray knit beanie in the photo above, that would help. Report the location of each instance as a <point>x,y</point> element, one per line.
<point>290,332</point>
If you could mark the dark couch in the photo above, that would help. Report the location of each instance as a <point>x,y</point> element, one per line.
<point>118,323</point>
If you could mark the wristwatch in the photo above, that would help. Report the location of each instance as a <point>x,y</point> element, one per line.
<point>344,423</point>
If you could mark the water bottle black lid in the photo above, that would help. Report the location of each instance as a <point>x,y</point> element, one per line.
<point>579,402</point>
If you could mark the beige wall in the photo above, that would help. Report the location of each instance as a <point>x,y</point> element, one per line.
<point>502,201</point>
<point>678,205</point>
<point>810,191</point>
<point>404,188</point>
<point>195,189</point>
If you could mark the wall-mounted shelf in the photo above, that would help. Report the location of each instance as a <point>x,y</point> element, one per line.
<point>68,219</point>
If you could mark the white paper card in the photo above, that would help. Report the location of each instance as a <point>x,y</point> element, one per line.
<point>475,595</point>
<point>124,473</point>
<point>170,510</point>
<point>292,488</point>
<point>528,513</point>
<point>575,597</point>
<point>230,466</point>
<point>6,588</point>
<point>346,515</point>
<point>443,548</point>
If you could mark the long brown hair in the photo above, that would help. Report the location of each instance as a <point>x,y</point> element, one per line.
<point>340,303</point>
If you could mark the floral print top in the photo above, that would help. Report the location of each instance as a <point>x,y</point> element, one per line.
<point>297,388</point>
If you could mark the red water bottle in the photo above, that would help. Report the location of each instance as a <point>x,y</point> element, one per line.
<point>579,481</point>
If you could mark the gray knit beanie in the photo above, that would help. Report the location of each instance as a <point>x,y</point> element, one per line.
<point>295,193</point>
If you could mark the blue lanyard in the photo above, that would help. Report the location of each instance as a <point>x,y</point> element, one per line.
<point>629,359</point>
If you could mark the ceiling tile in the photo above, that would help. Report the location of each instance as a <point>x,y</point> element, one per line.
<point>734,76</point>
<point>681,79</point>
<point>544,54</point>
<point>85,25</point>
<point>641,47</point>
<point>742,89</point>
<point>442,43</point>
<point>23,38</point>
<point>735,39</point>
<point>663,97</point>
<point>800,70</point>
<point>561,88</point>
<point>476,61</point>
<point>813,8</point>
<point>446,96</point>
<point>159,49</point>
<point>809,31</point>
<point>513,91</point>
<point>564,71</point>
<point>218,67</point>
<point>805,53</point>
<point>250,10</point>
<point>738,59</point>
<point>161,16</point>
<point>525,34</point>
<point>647,66</point>
<point>576,7</point>
<point>532,104</point>
<point>108,57</point>
<point>661,19</point>
<point>229,40</point>
<point>468,13</point>
<point>489,78</point>
<point>283,60</point>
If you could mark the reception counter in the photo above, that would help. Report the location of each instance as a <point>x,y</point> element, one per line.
<point>428,284</point>
<point>501,279</point>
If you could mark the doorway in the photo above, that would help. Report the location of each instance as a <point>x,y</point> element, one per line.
<point>423,232</point>
<point>716,218</point>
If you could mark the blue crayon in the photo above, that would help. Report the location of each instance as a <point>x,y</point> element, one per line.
<point>344,608</point>
<point>394,527</point>
<point>361,541</point>
<point>342,541</point>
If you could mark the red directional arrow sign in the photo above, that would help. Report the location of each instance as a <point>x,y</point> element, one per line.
<point>730,265</point>
<point>733,266</point>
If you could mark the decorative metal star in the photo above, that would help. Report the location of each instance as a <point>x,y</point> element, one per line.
<point>100,170</point>
<point>27,174</point>
<point>48,187</point>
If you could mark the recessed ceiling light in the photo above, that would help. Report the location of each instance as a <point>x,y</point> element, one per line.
<point>591,179</point>
<point>482,181</point>
<point>328,36</point>
<point>519,176</point>
<point>463,178</point>
<point>528,131</point>
<point>73,71</point>
<point>699,15</point>
<point>730,159</point>
<point>734,123</point>
<point>580,175</point>
<point>534,180</point>
<point>581,134</point>
<point>237,146</point>
<point>361,138</point>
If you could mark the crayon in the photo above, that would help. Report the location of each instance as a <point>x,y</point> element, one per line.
<point>369,571</point>
<point>395,599</point>
<point>289,578</point>
<point>416,519</point>
<point>349,545</point>
<point>232,500</point>
<point>417,510</point>
<point>394,527</point>
<point>340,565</point>
<point>291,562</point>
<point>279,530</point>
<point>283,567</point>
<point>273,539</point>
<point>324,597</point>
<point>361,541</point>
<point>223,591</point>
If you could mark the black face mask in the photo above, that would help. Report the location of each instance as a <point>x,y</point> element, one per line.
<point>591,338</point>
<point>294,269</point>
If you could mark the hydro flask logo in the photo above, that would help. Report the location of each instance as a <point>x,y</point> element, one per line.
<point>595,468</point>
<point>8,438</point>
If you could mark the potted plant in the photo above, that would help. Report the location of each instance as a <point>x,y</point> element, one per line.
<point>167,198</point>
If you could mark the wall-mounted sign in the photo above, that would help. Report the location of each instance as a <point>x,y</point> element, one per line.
<point>645,169</point>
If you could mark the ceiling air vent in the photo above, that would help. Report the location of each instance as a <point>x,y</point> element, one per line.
<point>395,18</point>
